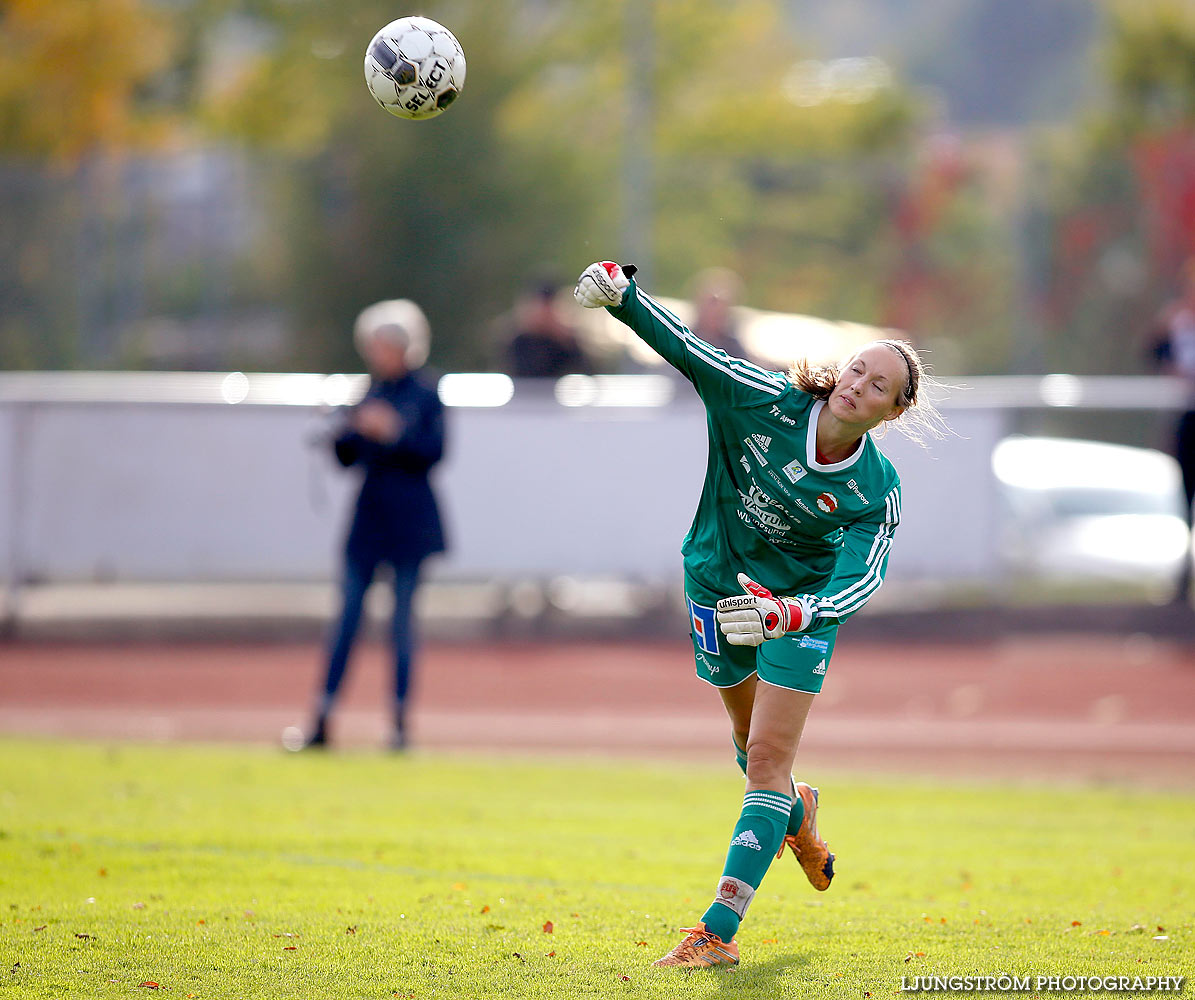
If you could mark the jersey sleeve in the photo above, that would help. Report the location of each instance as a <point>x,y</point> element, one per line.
<point>719,378</point>
<point>862,562</point>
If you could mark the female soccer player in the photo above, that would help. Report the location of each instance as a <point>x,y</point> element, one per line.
<point>797,500</point>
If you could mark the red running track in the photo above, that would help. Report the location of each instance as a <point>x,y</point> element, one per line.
<point>1104,708</point>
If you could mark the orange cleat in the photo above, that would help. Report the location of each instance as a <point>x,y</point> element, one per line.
<point>812,853</point>
<point>701,949</point>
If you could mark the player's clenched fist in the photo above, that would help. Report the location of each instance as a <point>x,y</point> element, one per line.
<point>602,284</point>
<point>759,614</point>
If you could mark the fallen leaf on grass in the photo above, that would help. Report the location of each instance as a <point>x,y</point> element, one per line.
<point>201,921</point>
<point>41,928</point>
<point>486,908</point>
<point>518,956</point>
<point>291,947</point>
<point>1076,923</point>
<point>548,928</point>
<point>138,906</point>
<point>149,984</point>
<point>770,941</point>
<point>459,886</point>
<point>83,937</point>
<point>1161,929</point>
<point>103,873</point>
<point>640,944</point>
<point>1105,932</point>
<point>351,929</point>
<point>551,954</point>
<point>625,979</point>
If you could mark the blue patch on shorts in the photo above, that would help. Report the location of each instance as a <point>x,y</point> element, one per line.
<point>808,642</point>
<point>704,623</point>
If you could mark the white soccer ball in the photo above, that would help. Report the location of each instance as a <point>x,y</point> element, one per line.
<point>414,67</point>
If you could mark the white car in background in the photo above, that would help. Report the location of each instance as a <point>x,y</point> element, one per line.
<point>1087,511</point>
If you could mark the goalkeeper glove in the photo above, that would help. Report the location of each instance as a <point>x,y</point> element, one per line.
<point>759,614</point>
<point>602,284</point>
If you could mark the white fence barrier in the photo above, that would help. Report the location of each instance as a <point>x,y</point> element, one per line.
<point>171,477</point>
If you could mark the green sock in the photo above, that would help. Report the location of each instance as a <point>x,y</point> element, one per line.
<point>797,816</point>
<point>757,837</point>
<point>740,755</point>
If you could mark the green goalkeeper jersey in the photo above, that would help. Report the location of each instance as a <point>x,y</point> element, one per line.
<point>769,508</point>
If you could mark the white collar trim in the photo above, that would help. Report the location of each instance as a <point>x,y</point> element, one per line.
<point>811,445</point>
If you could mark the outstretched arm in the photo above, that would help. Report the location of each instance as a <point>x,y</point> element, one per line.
<point>717,376</point>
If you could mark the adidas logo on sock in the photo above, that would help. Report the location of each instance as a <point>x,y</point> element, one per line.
<point>747,839</point>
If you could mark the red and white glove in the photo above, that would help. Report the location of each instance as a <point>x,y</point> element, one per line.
<point>602,284</point>
<point>759,614</point>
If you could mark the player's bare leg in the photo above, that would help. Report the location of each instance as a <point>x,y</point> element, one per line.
<point>738,701</point>
<point>778,721</point>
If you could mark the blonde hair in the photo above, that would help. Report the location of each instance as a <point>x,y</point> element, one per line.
<point>399,321</point>
<point>920,420</point>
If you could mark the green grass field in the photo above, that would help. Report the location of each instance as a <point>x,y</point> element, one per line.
<point>243,872</point>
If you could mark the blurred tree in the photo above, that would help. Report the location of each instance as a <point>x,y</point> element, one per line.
<point>74,90</point>
<point>72,76</point>
<point>805,176</point>
<point>1117,201</point>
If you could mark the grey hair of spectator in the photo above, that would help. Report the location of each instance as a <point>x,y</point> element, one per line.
<point>399,321</point>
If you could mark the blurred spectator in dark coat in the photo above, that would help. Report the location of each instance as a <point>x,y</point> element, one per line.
<point>716,293</point>
<point>394,435</point>
<point>537,341</point>
<point>1173,349</point>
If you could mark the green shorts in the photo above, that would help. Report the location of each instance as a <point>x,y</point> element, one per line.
<point>797,661</point>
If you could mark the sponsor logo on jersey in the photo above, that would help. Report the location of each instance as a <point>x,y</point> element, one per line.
<point>827,502</point>
<point>756,451</point>
<point>745,464</point>
<point>806,508</point>
<point>757,503</point>
<point>808,642</point>
<point>794,470</point>
<point>780,415</point>
<point>780,484</point>
<point>704,623</point>
<point>713,668</point>
<point>854,488</point>
<point>820,668</point>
